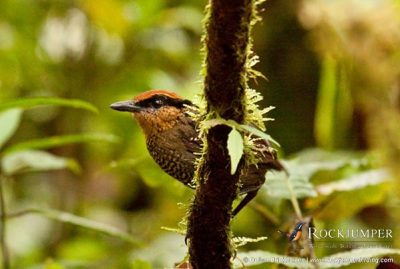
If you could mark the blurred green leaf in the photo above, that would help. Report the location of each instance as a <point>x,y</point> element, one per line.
<point>164,251</point>
<point>277,187</point>
<point>150,11</point>
<point>235,148</point>
<point>65,264</point>
<point>69,218</point>
<point>333,116</point>
<point>359,255</point>
<point>140,264</point>
<point>354,182</point>
<point>9,122</point>
<point>299,178</point>
<point>106,14</point>
<point>82,249</point>
<point>57,141</point>
<point>259,257</point>
<point>45,101</point>
<point>51,264</point>
<point>184,16</point>
<point>329,158</point>
<point>151,173</point>
<point>343,119</point>
<point>325,111</point>
<point>34,160</point>
<point>345,204</point>
<point>126,163</point>
<point>302,168</point>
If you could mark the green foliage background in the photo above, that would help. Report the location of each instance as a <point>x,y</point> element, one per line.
<point>333,74</point>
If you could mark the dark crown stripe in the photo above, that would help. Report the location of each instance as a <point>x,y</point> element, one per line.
<point>166,101</point>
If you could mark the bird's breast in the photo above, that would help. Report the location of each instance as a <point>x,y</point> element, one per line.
<point>175,160</point>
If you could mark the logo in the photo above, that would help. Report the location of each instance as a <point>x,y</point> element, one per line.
<point>339,237</point>
<point>314,233</point>
<point>350,238</point>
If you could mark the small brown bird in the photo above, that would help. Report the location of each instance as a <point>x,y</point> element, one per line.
<point>172,139</point>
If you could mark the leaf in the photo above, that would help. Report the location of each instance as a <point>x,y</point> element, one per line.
<point>150,172</point>
<point>346,204</point>
<point>235,148</point>
<point>140,264</point>
<point>357,181</point>
<point>9,122</point>
<point>45,101</point>
<point>50,264</point>
<point>33,160</point>
<point>125,163</point>
<point>329,158</point>
<point>214,122</point>
<point>82,248</point>
<point>234,125</point>
<point>360,255</point>
<point>57,141</point>
<point>325,111</point>
<point>302,168</point>
<point>259,257</point>
<point>276,185</point>
<point>165,249</point>
<point>259,133</point>
<point>334,110</point>
<point>69,218</point>
<point>63,264</point>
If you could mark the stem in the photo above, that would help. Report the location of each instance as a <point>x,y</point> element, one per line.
<point>265,212</point>
<point>293,199</point>
<point>226,49</point>
<point>3,219</point>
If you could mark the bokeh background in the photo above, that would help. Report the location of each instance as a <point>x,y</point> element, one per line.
<point>333,76</point>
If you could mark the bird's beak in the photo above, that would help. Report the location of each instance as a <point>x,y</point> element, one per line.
<point>128,106</point>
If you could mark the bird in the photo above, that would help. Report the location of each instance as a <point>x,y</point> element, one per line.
<point>295,234</point>
<point>172,139</point>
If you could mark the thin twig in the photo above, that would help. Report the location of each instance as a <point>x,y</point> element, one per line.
<point>293,199</point>
<point>265,212</point>
<point>3,219</point>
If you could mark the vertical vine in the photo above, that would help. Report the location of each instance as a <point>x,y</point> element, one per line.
<point>226,49</point>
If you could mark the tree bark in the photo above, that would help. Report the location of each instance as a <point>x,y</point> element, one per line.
<point>226,43</point>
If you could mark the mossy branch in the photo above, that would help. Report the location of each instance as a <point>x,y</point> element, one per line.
<point>226,71</point>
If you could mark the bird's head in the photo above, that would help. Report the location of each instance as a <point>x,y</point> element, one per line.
<point>155,110</point>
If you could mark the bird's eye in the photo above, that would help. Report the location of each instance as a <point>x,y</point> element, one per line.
<point>157,103</point>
